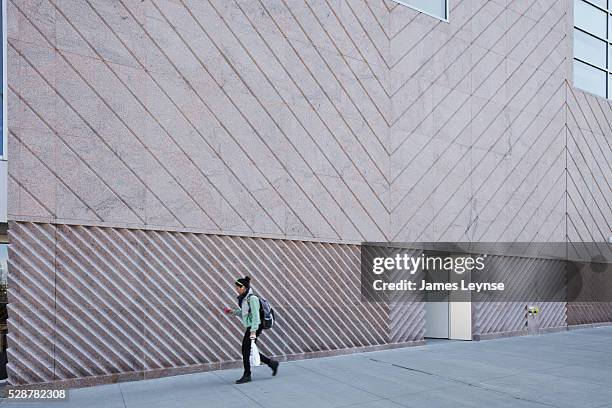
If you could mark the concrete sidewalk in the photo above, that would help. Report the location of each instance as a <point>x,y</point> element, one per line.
<point>567,369</point>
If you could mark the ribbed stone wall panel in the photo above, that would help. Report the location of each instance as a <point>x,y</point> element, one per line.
<point>91,301</point>
<point>406,308</point>
<point>518,275</point>
<point>588,312</point>
<point>498,317</point>
<point>407,321</point>
<point>552,314</point>
<point>32,303</point>
<point>589,185</point>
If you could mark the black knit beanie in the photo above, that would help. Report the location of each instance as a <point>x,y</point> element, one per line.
<point>246,282</point>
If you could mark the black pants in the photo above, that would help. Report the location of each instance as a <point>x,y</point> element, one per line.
<point>246,351</point>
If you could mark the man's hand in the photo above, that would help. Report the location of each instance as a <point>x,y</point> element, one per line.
<point>227,310</point>
<point>253,335</point>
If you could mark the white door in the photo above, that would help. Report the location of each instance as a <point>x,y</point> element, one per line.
<point>445,318</point>
<point>436,309</point>
<point>436,320</point>
<point>460,312</point>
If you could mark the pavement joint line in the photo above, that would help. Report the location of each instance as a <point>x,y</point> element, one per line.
<point>426,390</point>
<point>577,348</point>
<point>380,397</point>
<point>434,374</point>
<point>556,366</point>
<point>122,397</point>
<point>437,388</point>
<point>475,385</point>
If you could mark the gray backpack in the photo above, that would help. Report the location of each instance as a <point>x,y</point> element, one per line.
<point>266,314</point>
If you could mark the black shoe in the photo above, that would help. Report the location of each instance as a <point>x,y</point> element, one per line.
<point>274,367</point>
<point>244,379</point>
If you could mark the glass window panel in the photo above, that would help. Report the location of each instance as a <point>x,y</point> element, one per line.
<point>601,3</point>
<point>589,78</point>
<point>609,86</point>
<point>1,125</point>
<point>589,49</point>
<point>590,18</point>
<point>436,8</point>
<point>1,128</point>
<point>1,83</point>
<point>1,48</point>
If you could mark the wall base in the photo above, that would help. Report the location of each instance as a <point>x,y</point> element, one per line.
<point>501,335</point>
<point>200,368</point>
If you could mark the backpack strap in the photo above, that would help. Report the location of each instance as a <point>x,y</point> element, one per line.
<point>248,301</point>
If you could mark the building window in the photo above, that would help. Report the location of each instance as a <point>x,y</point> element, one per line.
<point>593,46</point>
<point>435,8</point>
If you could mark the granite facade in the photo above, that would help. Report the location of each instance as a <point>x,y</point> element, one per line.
<point>150,128</point>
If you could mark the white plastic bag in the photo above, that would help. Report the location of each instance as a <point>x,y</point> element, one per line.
<point>254,357</point>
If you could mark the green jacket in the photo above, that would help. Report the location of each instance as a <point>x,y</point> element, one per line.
<point>249,316</point>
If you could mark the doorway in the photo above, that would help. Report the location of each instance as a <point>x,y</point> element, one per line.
<point>445,317</point>
<point>437,311</point>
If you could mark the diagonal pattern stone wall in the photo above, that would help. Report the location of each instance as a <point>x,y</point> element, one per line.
<point>335,120</point>
<point>477,137</point>
<point>126,303</point>
<point>493,319</point>
<point>589,181</point>
<point>214,115</point>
